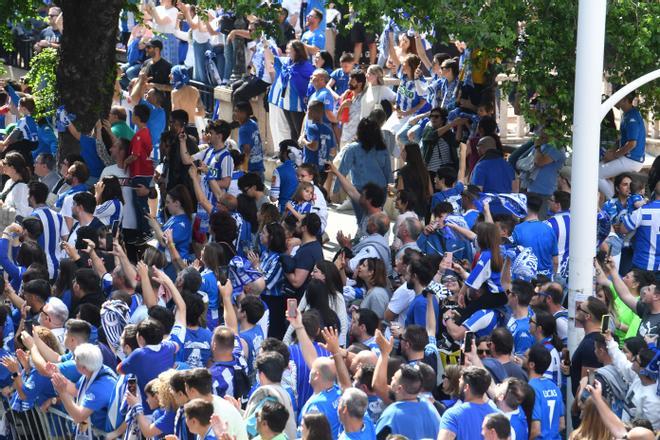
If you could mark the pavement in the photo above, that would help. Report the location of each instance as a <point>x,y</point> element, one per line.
<point>338,221</point>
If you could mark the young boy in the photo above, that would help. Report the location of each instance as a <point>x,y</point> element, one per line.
<point>448,188</point>
<point>339,77</point>
<point>250,310</point>
<point>198,418</point>
<point>318,138</point>
<point>140,165</point>
<point>249,138</point>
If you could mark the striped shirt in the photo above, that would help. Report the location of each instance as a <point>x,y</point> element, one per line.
<point>407,96</point>
<point>54,228</point>
<point>290,97</point>
<point>300,371</point>
<point>210,157</point>
<point>561,225</point>
<point>273,274</point>
<point>482,273</point>
<point>109,212</point>
<point>553,371</point>
<point>482,322</point>
<point>645,221</point>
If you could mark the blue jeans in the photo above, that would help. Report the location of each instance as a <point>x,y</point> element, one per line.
<point>141,204</point>
<point>199,69</point>
<point>229,61</point>
<point>219,52</point>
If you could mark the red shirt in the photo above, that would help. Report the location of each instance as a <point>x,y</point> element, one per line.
<point>141,148</point>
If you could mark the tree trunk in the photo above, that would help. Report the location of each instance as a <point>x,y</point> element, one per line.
<point>87,68</point>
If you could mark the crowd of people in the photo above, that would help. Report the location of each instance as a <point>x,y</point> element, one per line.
<point>165,282</point>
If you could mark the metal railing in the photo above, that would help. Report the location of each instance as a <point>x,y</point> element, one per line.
<point>36,424</point>
<point>21,55</point>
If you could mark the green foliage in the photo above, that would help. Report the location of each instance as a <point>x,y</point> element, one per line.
<point>42,79</point>
<point>16,11</point>
<point>547,66</point>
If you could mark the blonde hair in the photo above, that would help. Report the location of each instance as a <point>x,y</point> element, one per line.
<point>378,72</point>
<point>49,338</point>
<point>453,373</point>
<point>164,391</point>
<point>592,426</point>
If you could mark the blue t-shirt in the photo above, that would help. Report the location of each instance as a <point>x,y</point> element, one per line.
<point>210,287</point>
<point>451,195</point>
<point>413,419</point>
<point>146,363</point>
<point>156,125</point>
<point>522,338</point>
<point>253,337</point>
<point>300,371</point>
<point>548,407</point>
<point>97,397</point>
<point>323,95</point>
<point>196,350</point>
<point>326,403</point>
<point>322,134</point>
<point>248,134</point>
<point>465,419</point>
<point>494,175</point>
<point>545,181</point>
<point>314,38</point>
<point>417,310</point>
<point>368,432</point>
<point>181,227</point>
<point>540,237</point>
<point>341,80</point>
<point>92,159</point>
<point>518,421</point>
<point>632,129</point>
<point>164,421</point>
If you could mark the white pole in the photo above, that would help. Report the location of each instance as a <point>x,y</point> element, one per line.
<point>623,91</point>
<point>584,177</point>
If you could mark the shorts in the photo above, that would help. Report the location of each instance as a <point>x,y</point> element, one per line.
<point>359,34</point>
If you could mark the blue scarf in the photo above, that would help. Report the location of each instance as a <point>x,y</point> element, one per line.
<point>74,189</point>
<point>180,77</point>
<point>296,75</point>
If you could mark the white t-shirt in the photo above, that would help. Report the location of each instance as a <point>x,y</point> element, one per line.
<point>399,303</point>
<point>129,220</point>
<point>231,416</point>
<point>374,95</point>
<point>18,198</point>
<point>320,207</point>
<point>171,13</point>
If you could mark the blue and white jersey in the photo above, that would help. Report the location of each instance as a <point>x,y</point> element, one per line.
<point>28,128</point>
<point>222,165</point>
<point>518,421</point>
<point>302,207</point>
<point>553,372</point>
<point>209,157</point>
<point>196,350</point>
<point>259,61</point>
<point>522,338</point>
<point>109,212</point>
<point>284,183</point>
<point>276,88</point>
<point>548,407</point>
<point>447,95</point>
<point>407,96</point>
<point>248,134</point>
<point>645,221</point>
<point>273,273</point>
<point>292,91</point>
<point>482,273</point>
<point>54,228</point>
<point>614,209</point>
<point>482,322</point>
<point>253,337</point>
<point>561,225</point>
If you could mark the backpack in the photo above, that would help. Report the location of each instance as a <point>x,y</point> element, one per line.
<point>241,383</point>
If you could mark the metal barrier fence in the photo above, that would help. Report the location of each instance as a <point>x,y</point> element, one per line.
<point>35,424</point>
<point>21,55</point>
<point>206,95</point>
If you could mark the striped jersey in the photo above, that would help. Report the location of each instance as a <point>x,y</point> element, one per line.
<point>54,228</point>
<point>300,371</point>
<point>109,212</point>
<point>284,184</point>
<point>288,97</point>
<point>482,273</point>
<point>645,221</point>
<point>259,61</point>
<point>561,225</point>
<point>407,96</point>
<point>553,372</point>
<point>273,274</point>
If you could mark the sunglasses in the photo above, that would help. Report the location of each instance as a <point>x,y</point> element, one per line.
<point>482,352</point>
<point>435,116</point>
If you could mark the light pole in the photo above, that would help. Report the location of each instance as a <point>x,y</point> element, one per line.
<point>586,138</point>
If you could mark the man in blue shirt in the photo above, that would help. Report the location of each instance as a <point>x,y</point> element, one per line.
<point>630,155</point>
<point>645,221</point>
<point>421,274</point>
<point>519,298</point>
<point>492,174</point>
<point>314,37</point>
<point>352,409</point>
<point>463,421</point>
<point>325,399</point>
<point>548,413</point>
<point>297,268</point>
<point>538,236</point>
<point>319,82</point>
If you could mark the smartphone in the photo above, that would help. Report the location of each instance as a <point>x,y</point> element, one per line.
<point>469,339</point>
<point>326,167</point>
<point>131,385</point>
<point>197,162</point>
<point>291,307</point>
<point>115,228</point>
<point>28,326</point>
<point>601,257</point>
<point>19,219</point>
<point>605,323</point>
<point>109,241</point>
<point>223,274</point>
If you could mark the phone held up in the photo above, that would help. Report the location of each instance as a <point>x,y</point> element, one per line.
<point>291,307</point>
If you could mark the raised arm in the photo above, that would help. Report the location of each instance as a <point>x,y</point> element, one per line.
<point>620,287</point>
<point>338,355</point>
<point>229,314</point>
<point>611,421</point>
<point>344,182</point>
<point>379,381</point>
<point>148,295</point>
<point>306,345</point>
<point>431,321</point>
